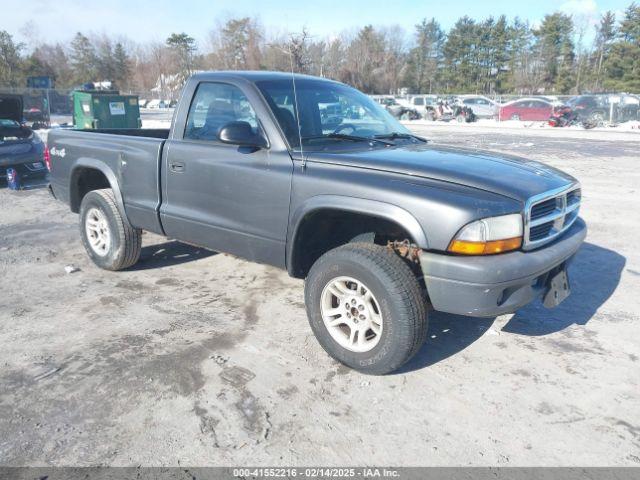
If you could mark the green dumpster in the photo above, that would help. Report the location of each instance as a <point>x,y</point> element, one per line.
<point>94,109</point>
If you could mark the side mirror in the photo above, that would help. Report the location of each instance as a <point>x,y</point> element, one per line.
<point>241,133</point>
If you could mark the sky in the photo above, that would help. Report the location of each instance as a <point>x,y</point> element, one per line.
<point>154,20</point>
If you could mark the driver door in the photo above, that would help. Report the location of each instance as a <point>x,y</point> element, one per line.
<point>225,197</point>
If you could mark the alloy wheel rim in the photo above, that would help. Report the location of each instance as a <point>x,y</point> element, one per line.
<point>351,314</point>
<point>98,233</point>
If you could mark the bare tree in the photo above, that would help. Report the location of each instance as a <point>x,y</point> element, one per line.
<point>299,50</point>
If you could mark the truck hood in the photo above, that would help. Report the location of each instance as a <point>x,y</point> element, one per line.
<point>506,175</point>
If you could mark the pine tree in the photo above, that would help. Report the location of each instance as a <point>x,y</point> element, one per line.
<point>499,55</point>
<point>623,64</point>
<point>461,66</point>
<point>84,60</point>
<point>426,56</point>
<point>121,66</point>
<point>10,61</point>
<point>555,51</point>
<point>105,61</point>
<point>605,34</point>
<point>183,47</point>
<point>630,24</point>
<point>519,76</point>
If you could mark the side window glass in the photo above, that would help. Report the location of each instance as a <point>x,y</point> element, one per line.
<point>215,105</point>
<point>418,101</point>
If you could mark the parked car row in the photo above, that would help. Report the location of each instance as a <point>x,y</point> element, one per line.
<point>399,110</point>
<point>592,108</point>
<point>157,104</point>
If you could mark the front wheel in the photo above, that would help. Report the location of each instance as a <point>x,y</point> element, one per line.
<point>108,237</point>
<point>366,308</point>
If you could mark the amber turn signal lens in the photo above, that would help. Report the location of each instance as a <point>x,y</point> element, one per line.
<point>485,248</point>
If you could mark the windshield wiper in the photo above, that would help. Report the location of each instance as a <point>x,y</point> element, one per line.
<point>354,138</point>
<point>394,135</point>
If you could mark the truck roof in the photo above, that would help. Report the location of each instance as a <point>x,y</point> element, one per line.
<point>255,75</point>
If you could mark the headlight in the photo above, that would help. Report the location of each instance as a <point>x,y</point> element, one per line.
<point>489,235</point>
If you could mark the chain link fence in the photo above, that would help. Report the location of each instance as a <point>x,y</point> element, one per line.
<point>46,107</point>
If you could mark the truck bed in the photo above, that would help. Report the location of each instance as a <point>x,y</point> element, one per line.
<point>133,156</point>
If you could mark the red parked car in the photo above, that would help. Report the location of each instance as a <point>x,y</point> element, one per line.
<point>532,109</point>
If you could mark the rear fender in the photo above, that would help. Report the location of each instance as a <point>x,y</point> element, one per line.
<point>106,171</point>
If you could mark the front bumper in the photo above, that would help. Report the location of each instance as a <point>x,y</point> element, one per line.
<point>486,286</point>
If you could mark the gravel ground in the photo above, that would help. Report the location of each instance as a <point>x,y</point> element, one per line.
<point>196,358</point>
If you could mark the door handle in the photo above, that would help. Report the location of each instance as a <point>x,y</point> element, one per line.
<point>177,167</point>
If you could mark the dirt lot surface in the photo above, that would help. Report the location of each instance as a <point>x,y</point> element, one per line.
<point>196,358</point>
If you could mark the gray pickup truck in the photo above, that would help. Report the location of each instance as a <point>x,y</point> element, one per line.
<point>314,177</point>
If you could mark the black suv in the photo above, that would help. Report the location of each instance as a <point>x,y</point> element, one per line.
<point>609,107</point>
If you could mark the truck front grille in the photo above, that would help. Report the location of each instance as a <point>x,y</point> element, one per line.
<point>543,208</point>
<point>550,214</point>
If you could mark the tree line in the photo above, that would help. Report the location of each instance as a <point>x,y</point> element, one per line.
<point>491,56</point>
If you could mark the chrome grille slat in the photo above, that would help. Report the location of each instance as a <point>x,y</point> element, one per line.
<point>547,218</point>
<point>572,207</point>
<point>550,214</point>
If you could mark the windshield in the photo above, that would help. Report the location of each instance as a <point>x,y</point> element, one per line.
<point>330,113</point>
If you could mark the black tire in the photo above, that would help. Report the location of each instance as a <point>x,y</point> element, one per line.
<point>125,240</point>
<point>397,292</point>
<point>515,117</point>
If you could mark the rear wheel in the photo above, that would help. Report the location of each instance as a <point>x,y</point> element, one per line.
<point>108,237</point>
<point>515,116</point>
<point>366,308</point>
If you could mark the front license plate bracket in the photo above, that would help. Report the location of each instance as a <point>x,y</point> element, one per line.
<point>558,289</point>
